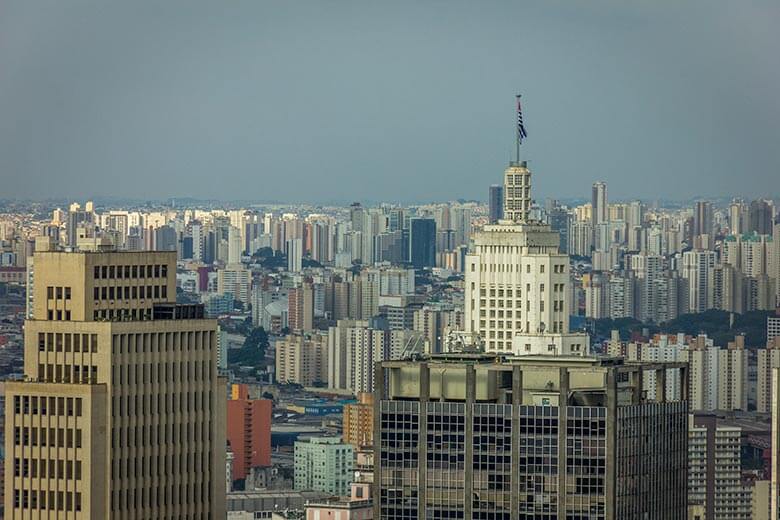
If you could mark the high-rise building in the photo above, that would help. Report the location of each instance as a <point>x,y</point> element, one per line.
<point>496,203</point>
<point>358,423</point>
<point>714,470</point>
<point>235,279</point>
<point>302,359</point>
<point>772,327</point>
<point>702,219</point>
<point>698,269</point>
<point>768,358</point>
<point>600,204</point>
<point>760,217</point>
<point>475,436</point>
<point>121,414</point>
<point>80,224</point>
<point>774,486</point>
<point>323,464</point>
<point>422,242</point>
<point>300,302</point>
<point>294,251</point>
<point>248,431</point>
<point>733,377</point>
<point>738,217</point>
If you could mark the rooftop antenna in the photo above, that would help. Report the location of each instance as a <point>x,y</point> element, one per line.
<point>521,133</point>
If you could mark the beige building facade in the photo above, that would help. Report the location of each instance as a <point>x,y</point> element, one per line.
<point>302,359</point>
<point>121,415</point>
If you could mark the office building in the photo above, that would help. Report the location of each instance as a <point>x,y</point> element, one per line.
<point>323,464</point>
<point>496,203</point>
<point>121,414</point>
<point>422,242</point>
<point>478,436</point>
<point>248,431</point>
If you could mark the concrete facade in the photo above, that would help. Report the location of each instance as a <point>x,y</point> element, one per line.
<point>123,387</point>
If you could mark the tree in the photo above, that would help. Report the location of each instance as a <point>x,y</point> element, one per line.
<point>252,353</point>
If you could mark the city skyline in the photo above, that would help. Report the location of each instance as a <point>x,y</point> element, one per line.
<point>260,260</point>
<point>246,103</point>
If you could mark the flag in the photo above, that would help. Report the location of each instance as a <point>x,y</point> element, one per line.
<point>521,133</point>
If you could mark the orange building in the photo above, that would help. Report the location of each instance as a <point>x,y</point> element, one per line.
<point>358,421</point>
<point>248,431</point>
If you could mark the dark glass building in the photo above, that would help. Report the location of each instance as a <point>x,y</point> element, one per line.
<point>422,242</point>
<point>462,436</point>
<point>496,203</point>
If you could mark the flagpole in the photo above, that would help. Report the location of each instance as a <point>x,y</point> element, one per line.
<point>517,132</point>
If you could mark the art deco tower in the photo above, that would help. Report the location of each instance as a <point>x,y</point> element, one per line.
<point>517,280</point>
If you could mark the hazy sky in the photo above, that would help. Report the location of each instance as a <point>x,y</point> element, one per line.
<point>400,101</point>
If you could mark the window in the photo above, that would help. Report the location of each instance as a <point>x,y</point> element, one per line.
<point>50,292</point>
<point>59,293</point>
<point>97,272</point>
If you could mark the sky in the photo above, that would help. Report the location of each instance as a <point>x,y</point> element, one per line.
<point>332,101</point>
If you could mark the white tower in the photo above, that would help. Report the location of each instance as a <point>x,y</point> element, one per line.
<point>517,280</point>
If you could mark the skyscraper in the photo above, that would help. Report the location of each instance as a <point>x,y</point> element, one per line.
<point>702,218</point>
<point>422,242</point>
<point>599,203</point>
<point>496,203</point>
<point>698,269</point>
<point>535,437</point>
<point>121,414</point>
<point>760,217</point>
